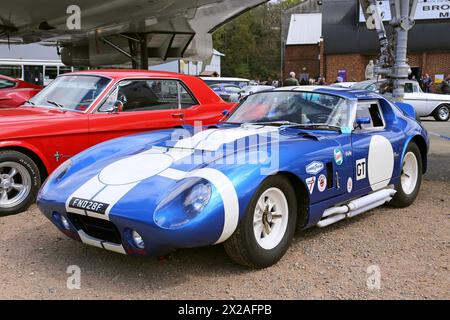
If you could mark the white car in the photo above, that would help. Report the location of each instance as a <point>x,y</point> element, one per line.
<point>248,90</point>
<point>426,104</point>
<point>343,84</point>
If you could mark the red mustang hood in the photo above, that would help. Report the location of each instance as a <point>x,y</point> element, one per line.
<point>38,121</point>
<point>28,113</point>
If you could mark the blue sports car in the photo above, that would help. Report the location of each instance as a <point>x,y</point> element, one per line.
<point>284,159</point>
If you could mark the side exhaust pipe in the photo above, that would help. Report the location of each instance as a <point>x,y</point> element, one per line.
<point>356,207</point>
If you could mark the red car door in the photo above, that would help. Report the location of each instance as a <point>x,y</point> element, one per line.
<point>136,106</point>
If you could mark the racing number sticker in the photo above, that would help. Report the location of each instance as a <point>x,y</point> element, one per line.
<point>361,169</point>
<point>310,182</point>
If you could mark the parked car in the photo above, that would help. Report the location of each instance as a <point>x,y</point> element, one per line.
<point>426,104</point>
<point>79,110</point>
<point>228,92</point>
<point>343,84</point>
<point>248,90</point>
<point>284,159</point>
<point>240,82</point>
<point>14,92</point>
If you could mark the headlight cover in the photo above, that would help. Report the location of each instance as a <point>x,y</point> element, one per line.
<point>183,204</point>
<point>57,175</point>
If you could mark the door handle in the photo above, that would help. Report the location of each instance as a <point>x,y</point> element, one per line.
<point>178,115</point>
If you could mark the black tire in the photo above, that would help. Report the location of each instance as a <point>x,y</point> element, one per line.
<point>442,113</point>
<point>35,181</point>
<point>243,248</point>
<point>401,198</point>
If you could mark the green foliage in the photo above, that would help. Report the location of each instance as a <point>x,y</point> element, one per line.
<point>252,42</point>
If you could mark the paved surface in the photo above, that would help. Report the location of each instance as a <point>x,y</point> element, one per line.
<point>410,248</point>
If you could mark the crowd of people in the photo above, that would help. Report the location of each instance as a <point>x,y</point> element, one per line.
<point>425,82</point>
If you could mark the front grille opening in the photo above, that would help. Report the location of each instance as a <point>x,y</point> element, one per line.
<point>97,228</point>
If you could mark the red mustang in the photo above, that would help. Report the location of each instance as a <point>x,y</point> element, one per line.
<point>14,93</point>
<point>81,109</point>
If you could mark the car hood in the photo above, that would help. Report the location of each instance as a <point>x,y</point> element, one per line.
<point>28,113</point>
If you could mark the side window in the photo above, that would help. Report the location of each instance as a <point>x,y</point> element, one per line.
<point>409,88</point>
<point>5,84</point>
<point>148,95</point>
<point>373,112</point>
<point>186,99</point>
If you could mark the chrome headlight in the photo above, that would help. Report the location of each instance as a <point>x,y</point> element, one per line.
<point>183,204</point>
<point>198,197</point>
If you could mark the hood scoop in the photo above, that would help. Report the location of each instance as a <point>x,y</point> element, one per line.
<point>308,135</point>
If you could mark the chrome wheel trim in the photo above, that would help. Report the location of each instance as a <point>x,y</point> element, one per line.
<point>15,184</point>
<point>443,112</point>
<point>410,173</point>
<point>270,219</point>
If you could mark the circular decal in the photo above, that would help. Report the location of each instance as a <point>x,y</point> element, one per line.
<point>322,183</point>
<point>338,156</point>
<point>350,185</point>
<point>380,164</point>
<point>135,169</point>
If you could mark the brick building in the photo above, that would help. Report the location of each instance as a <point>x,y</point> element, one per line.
<point>338,43</point>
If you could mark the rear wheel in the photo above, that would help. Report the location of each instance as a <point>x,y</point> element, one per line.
<point>19,182</point>
<point>442,113</point>
<point>411,178</point>
<point>265,233</point>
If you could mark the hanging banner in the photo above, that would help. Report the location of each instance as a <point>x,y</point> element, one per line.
<point>426,10</point>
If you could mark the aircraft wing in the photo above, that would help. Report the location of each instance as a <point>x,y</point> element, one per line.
<point>102,32</point>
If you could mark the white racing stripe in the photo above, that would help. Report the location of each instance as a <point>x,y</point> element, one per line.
<point>120,177</point>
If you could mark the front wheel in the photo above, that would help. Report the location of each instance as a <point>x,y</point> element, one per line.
<point>442,113</point>
<point>19,182</point>
<point>265,233</point>
<point>410,179</point>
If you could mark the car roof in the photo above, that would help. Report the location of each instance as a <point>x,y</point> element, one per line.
<point>124,73</point>
<point>224,79</point>
<point>345,93</point>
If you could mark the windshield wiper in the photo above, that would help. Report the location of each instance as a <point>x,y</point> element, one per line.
<point>315,126</point>
<point>56,104</point>
<point>273,123</point>
<point>30,102</point>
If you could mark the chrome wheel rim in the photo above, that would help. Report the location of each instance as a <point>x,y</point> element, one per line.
<point>410,173</point>
<point>443,113</point>
<point>15,184</point>
<point>270,218</point>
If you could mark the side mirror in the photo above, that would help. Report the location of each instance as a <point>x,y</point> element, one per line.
<point>226,112</point>
<point>362,120</point>
<point>118,107</point>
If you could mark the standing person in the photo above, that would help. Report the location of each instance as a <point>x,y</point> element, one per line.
<point>291,81</point>
<point>426,83</point>
<point>445,85</point>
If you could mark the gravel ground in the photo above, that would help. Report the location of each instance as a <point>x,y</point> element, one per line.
<point>410,247</point>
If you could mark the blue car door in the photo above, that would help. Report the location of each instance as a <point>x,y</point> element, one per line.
<point>376,143</point>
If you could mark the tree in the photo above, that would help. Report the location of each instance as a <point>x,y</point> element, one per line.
<point>251,43</point>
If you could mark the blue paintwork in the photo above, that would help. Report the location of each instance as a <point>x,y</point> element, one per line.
<point>296,151</point>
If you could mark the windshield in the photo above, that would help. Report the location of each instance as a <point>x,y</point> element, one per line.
<point>293,108</point>
<point>73,92</point>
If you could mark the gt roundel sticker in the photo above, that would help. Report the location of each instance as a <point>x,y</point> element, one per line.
<point>322,183</point>
<point>338,156</point>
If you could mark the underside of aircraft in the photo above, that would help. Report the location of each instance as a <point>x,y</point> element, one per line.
<point>104,32</point>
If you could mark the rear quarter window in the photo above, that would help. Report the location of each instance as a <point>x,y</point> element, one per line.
<point>5,84</point>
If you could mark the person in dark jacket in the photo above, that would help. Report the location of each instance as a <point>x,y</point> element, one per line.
<point>445,85</point>
<point>291,81</point>
<point>427,82</point>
